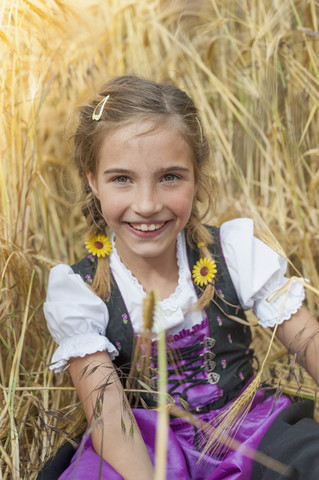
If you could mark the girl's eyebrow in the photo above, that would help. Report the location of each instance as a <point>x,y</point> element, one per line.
<point>122,171</point>
<point>175,168</point>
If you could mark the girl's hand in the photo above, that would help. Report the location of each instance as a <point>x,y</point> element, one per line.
<point>300,335</point>
<point>102,396</point>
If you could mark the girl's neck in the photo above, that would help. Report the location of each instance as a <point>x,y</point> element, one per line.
<point>155,272</point>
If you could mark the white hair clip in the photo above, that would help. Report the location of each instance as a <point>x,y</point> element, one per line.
<point>97,112</point>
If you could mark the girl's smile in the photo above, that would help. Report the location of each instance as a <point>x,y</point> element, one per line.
<point>147,230</point>
<point>145,184</point>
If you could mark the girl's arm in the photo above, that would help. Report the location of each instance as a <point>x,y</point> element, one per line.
<point>300,335</point>
<point>124,451</point>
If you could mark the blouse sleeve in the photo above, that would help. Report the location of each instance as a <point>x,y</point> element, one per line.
<point>258,272</point>
<point>77,318</point>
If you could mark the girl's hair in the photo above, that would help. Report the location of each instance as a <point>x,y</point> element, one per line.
<point>132,99</point>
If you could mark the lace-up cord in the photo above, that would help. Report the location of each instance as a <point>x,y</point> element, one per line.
<point>188,354</point>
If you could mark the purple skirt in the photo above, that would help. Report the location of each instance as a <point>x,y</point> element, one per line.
<point>183,456</point>
<point>183,461</point>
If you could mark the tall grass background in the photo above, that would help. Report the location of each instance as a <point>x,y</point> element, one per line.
<point>252,68</point>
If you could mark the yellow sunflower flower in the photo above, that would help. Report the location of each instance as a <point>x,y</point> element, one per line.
<point>204,271</point>
<point>99,245</point>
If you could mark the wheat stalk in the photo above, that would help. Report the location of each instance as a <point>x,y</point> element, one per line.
<point>253,73</point>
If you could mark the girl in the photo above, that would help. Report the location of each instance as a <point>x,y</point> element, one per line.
<point>142,155</point>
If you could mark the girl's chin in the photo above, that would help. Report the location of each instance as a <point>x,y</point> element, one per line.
<point>144,244</point>
<point>147,253</point>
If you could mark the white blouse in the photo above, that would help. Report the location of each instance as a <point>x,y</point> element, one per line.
<point>77,319</point>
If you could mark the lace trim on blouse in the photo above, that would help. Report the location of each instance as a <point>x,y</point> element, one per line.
<point>170,301</point>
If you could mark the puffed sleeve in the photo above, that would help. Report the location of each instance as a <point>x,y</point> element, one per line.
<point>258,272</point>
<point>77,318</point>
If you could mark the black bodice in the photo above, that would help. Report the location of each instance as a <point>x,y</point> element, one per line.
<point>227,343</point>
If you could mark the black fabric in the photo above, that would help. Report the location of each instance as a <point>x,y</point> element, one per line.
<point>232,339</point>
<point>118,329</point>
<point>56,465</point>
<point>293,439</point>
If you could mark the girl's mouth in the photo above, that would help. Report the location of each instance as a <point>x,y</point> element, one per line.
<point>144,227</point>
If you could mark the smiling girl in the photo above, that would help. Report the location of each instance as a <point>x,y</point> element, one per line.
<point>143,158</point>
<point>145,184</point>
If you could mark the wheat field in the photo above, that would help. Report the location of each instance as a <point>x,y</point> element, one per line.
<point>252,67</point>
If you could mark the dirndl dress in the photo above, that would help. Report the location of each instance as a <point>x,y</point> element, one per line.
<point>185,442</point>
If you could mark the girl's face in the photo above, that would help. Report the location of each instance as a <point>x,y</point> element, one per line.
<point>145,184</point>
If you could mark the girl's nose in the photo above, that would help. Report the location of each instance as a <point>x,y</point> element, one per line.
<point>146,201</point>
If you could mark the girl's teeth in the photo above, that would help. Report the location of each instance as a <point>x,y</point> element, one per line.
<point>148,228</point>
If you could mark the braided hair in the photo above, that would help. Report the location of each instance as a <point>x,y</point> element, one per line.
<point>129,99</point>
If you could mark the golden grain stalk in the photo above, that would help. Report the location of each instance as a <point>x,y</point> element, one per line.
<point>253,73</point>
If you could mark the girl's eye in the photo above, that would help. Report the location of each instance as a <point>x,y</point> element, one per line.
<point>169,177</point>
<point>121,179</point>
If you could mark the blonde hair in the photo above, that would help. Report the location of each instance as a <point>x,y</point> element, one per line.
<point>134,99</point>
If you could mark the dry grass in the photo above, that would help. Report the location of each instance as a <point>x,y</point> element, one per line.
<point>251,66</point>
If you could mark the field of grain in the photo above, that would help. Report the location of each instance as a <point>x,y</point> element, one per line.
<point>252,68</point>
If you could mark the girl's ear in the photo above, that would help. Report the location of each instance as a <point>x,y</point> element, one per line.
<point>92,183</point>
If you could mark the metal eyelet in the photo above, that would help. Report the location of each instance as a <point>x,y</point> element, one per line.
<point>208,356</point>
<point>213,378</point>
<point>209,342</point>
<point>209,365</point>
<point>153,383</point>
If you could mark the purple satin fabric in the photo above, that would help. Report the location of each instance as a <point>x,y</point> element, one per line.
<point>183,455</point>
<point>183,458</point>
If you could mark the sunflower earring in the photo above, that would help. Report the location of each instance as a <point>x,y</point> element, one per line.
<point>204,271</point>
<point>99,245</point>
